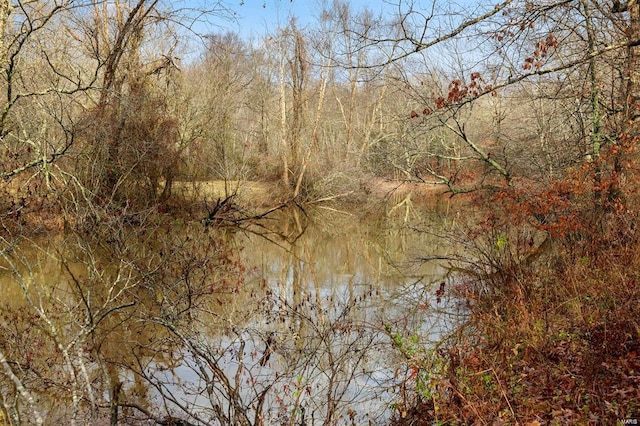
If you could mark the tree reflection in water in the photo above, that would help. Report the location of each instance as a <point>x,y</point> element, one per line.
<point>284,323</point>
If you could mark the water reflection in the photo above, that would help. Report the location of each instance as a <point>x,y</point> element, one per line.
<point>305,340</point>
<point>286,324</point>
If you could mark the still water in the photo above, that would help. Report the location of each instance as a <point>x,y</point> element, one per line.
<point>291,322</point>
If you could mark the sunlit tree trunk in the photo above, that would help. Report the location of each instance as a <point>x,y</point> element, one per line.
<point>283,119</point>
<point>596,137</point>
<point>299,71</point>
<point>4,17</point>
<point>595,90</point>
<point>314,134</point>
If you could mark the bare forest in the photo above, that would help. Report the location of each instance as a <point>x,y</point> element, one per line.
<point>483,154</point>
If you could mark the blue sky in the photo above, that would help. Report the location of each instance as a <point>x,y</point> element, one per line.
<point>256,20</point>
<point>260,17</point>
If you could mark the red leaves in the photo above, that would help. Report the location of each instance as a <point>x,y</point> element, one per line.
<point>571,209</point>
<point>459,91</point>
<point>440,292</point>
<point>551,41</point>
<point>542,51</point>
<point>413,373</point>
<point>527,63</point>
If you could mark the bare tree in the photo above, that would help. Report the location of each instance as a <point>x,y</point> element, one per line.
<point>523,41</point>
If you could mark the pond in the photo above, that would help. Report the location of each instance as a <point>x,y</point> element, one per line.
<point>294,320</point>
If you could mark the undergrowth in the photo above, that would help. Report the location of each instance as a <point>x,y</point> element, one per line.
<point>553,334</point>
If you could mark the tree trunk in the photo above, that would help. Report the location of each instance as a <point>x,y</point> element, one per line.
<point>633,69</point>
<point>630,130</point>
<point>283,123</point>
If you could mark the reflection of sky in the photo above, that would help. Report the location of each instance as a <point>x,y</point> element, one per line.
<point>337,300</point>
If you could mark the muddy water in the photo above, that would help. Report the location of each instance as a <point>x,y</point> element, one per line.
<point>322,293</point>
<point>302,337</point>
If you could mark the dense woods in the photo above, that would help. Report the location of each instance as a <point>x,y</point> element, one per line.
<point>128,134</point>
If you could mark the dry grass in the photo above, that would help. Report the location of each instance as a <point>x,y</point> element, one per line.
<point>254,193</point>
<point>250,193</point>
